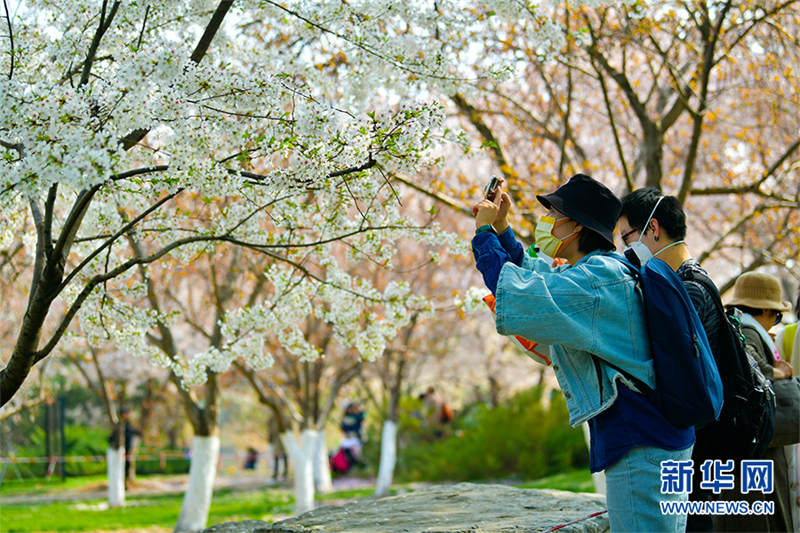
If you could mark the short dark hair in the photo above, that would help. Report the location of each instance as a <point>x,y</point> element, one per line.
<point>590,240</point>
<point>637,206</point>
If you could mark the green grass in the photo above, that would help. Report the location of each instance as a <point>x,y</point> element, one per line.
<point>350,494</point>
<point>141,512</point>
<point>579,480</point>
<point>31,486</point>
<point>228,505</point>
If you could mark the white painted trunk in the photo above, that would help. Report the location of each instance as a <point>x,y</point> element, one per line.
<point>322,467</point>
<point>388,458</point>
<point>301,455</point>
<point>202,471</point>
<point>599,478</point>
<point>115,468</point>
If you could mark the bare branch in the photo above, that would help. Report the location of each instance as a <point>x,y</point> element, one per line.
<point>710,40</point>
<point>259,385</point>
<point>754,187</point>
<point>612,122</point>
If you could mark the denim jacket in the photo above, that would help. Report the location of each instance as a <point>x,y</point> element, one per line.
<point>592,307</point>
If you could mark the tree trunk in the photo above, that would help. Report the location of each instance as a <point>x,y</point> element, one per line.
<point>599,478</point>
<point>301,455</point>
<point>203,469</point>
<point>388,458</point>
<point>322,469</point>
<point>115,469</point>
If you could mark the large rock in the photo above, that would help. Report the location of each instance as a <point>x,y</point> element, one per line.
<point>465,507</point>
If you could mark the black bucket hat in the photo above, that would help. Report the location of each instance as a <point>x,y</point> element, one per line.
<point>588,202</point>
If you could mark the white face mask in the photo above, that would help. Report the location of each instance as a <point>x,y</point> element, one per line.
<point>637,252</point>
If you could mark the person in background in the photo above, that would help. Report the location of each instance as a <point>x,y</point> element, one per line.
<point>788,344</point>
<point>787,340</point>
<point>352,421</point>
<point>130,436</point>
<point>758,296</point>
<point>251,458</point>
<point>279,457</point>
<point>591,314</point>
<point>437,413</point>
<point>352,427</point>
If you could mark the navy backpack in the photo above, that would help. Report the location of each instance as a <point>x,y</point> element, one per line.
<point>688,389</point>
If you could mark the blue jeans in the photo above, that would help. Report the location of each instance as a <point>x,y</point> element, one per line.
<point>633,490</point>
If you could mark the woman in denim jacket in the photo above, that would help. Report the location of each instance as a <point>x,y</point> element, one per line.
<point>588,307</point>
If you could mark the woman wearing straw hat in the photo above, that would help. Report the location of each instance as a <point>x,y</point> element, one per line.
<point>758,296</point>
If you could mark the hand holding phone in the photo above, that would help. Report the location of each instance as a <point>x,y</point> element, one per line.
<point>490,190</point>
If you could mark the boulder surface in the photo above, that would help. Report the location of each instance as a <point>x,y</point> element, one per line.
<point>463,507</point>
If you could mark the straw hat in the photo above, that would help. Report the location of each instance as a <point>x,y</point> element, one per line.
<point>759,291</point>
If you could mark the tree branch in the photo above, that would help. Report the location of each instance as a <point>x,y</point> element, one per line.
<point>102,27</point>
<point>11,39</point>
<point>612,122</point>
<point>100,278</point>
<point>144,24</point>
<point>472,114</point>
<point>48,220</point>
<point>133,138</point>
<point>710,40</point>
<point>752,187</point>
<point>126,228</point>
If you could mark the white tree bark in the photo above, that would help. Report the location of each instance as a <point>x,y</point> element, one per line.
<point>202,471</point>
<point>301,455</point>
<point>599,478</point>
<point>322,468</point>
<point>115,468</point>
<point>388,458</point>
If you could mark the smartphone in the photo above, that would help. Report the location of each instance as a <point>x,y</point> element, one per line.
<point>491,188</point>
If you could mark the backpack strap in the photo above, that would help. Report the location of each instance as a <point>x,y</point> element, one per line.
<point>639,384</point>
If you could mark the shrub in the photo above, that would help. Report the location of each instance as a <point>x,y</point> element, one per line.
<point>525,437</point>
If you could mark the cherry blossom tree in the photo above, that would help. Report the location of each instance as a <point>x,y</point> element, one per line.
<point>111,117</point>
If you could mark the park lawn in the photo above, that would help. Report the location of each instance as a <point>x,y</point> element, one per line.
<point>141,512</point>
<point>33,486</point>
<point>227,505</point>
<point>578,480</point>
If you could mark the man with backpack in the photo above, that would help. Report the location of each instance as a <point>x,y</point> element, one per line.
<point>654,225</point>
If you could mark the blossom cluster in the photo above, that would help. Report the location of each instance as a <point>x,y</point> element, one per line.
<point>282,138</point>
